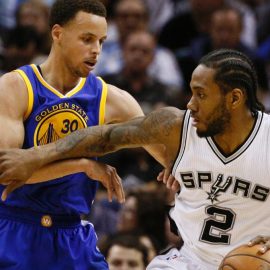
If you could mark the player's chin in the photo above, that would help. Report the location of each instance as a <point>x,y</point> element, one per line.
<point>202,132</point>
<point>85,70</point>
<point>83,73</point>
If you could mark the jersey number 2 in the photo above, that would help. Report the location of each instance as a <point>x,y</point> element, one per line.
<point>216,228</point>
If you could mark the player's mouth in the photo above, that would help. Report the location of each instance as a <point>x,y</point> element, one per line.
<point>90,64</point>
<point>195,121</point>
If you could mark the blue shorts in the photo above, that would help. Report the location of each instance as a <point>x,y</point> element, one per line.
<point>34,241</point>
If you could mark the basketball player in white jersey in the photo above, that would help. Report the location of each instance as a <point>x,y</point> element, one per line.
<point>218,151</point>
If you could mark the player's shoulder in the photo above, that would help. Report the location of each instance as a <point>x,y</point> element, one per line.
<point>165,121</point>
<point>169,113</point>
<point>115,91</point>
<point>12,82</point>
<point>120,106</point>
<point>173,110</point>
<point>13,93</point>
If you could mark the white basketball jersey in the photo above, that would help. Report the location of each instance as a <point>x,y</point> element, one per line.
<point>224,200</point>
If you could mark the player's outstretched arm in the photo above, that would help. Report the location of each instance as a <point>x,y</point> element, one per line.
<point>161,127</point>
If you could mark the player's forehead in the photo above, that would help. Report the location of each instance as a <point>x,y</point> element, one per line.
<point>88,23</point>
<point>202,77</point>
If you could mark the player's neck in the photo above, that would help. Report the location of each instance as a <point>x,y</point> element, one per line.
<point>56,74</point>
<point>237,132</point>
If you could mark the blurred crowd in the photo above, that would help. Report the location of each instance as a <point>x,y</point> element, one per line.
<point>151,50</point>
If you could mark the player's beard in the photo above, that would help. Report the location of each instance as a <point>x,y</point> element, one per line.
<point>217,122</point>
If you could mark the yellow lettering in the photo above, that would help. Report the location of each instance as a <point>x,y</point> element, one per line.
<point>38,118</point>
<point>54,108</point>
<point>43,113</point>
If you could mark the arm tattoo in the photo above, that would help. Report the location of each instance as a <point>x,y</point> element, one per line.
<point>95,141</point>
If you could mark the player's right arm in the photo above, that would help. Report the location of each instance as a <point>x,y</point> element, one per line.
<point>13,109</point>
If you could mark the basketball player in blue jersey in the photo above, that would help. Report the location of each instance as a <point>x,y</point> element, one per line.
<point>40,226</point>
<point>218,151</point>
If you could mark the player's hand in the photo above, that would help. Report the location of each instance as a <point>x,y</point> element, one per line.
<point>16,166</point>
<point>169,180</point>
<point>108,176</point>
<point>264,241</point>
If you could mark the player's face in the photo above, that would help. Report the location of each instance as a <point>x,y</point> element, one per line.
<point>210,113</point>
<point>80,42</point>
<point>127,219</point>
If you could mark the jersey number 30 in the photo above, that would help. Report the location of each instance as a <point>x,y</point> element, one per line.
<point>217,226</point>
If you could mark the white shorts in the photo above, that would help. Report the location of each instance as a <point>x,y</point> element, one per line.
<point>174,260</point>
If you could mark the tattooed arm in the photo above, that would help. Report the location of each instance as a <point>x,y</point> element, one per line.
<point>160,128</point>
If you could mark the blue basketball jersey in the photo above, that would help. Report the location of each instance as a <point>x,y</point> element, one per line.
<point>51,116</point>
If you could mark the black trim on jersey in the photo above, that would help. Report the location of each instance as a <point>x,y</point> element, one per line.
<point>39,69</point>
<point>182,144</point>
<point>241,148</point>
<point>173,226</point>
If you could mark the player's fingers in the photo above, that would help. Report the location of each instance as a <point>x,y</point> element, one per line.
<point>118,187</point>
<point>175,186</point>
<point>110,189</point>
<point>4,195</point>
<point>4,177</point>
<point>266,246</point>
<point>257,240</point>
<point>170,181</point>
<point>166,175</point>
<point>10,188</point>
<point>160,176</point>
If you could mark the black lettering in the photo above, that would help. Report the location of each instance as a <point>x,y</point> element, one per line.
<point>241,186</point>
<point>260,193</point>
<point>204,177</point>
<point>188,179</point>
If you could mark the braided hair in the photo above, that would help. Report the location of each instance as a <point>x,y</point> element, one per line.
<point>234,70</point>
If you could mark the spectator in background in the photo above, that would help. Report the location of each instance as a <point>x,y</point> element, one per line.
<point>132,16</point>
<point>35,13</point>
<point>20,47</point>
<point>140,213</point>
<point>7,15</point>
<point>225,32</point>
<point>193,20</point>
<point>263,29</point>
<point>7,19</point>
<point>125,252</point>
<point>145,205</point>
<point>160,11</point>
<point>138,54</point>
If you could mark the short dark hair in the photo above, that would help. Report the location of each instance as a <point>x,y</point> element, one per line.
<point>63,11</point>
<point>234,70</point>
<point>126,240</point>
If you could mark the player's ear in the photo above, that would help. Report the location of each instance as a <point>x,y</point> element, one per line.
<point>56,32</point>
<point>237,97</point>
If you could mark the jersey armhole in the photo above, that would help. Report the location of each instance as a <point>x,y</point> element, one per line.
<point>102,105</point>
<point>183,142</point>
<point>29,91</point>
